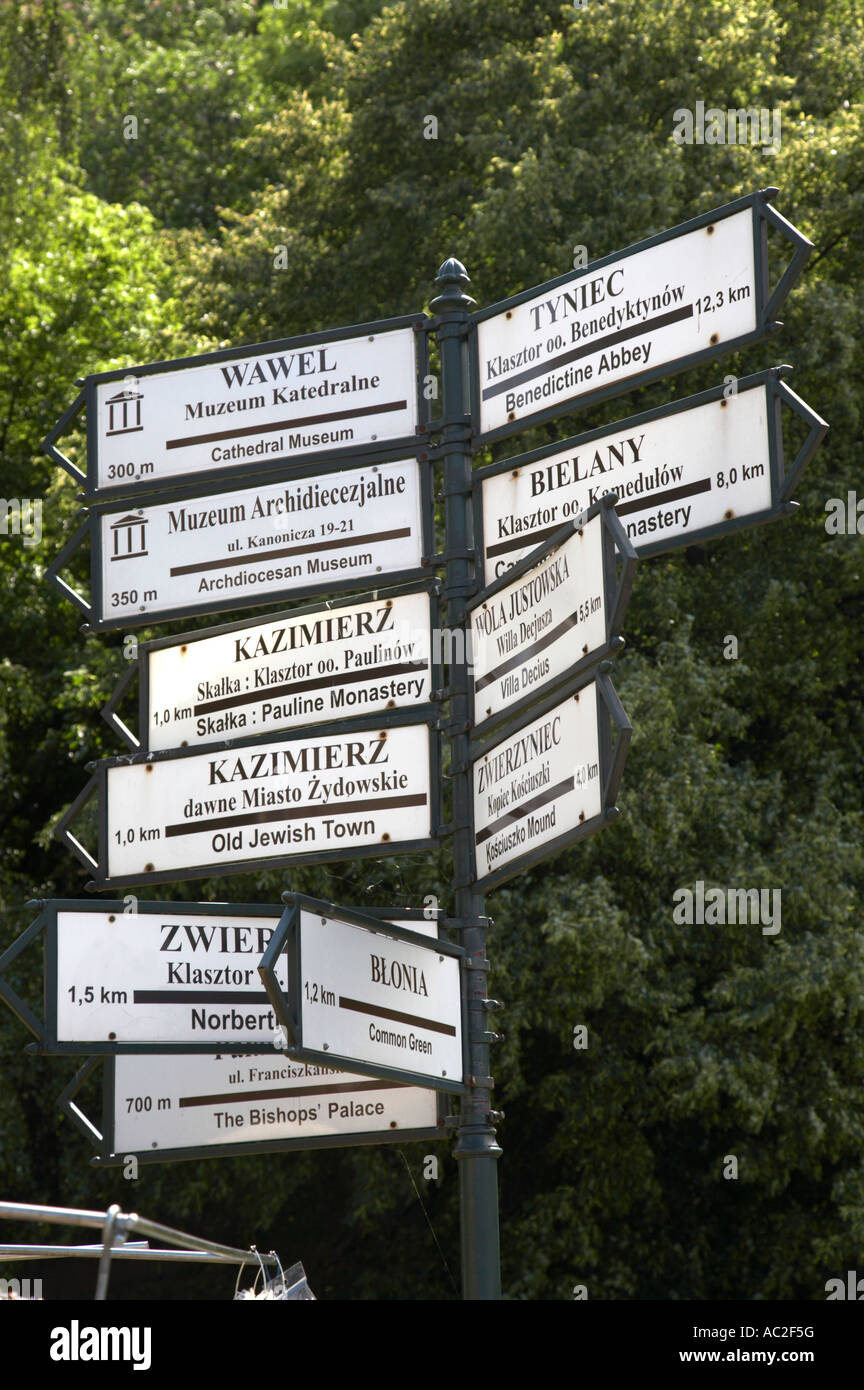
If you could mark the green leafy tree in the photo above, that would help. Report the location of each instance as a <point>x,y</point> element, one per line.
<point>332,198</point>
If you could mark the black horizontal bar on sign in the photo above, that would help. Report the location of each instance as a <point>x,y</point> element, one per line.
<point>256,557</point>
<point>656,499</point>
<point>396,1016</point>
<point>270,428</point>
<point>297,813</point>
<point>286,1092</point>
<point>526,809</point>
<point>526,653</point>
<point>588,349</point>
<point>191,996</point>
<point>253,697</point>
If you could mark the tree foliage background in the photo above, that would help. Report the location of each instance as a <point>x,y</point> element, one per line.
<point>301,125</point>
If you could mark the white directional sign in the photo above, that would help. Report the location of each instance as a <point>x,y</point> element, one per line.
<point>537,789</point>
<point>179,976</point>
<point>335,795</point>
<point>678,298</point>
<point>372,1000</point>
<point>250,408</point>
<point>529,633</point>
<point>703,465</point>
<point>170,1103</point>
<point>237,549</point>
<point>287,672</point>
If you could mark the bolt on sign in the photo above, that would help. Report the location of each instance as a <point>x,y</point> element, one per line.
<point>683,473</point>
<point>250,409</point>
<point>203,553</point>
<point>161,1108</point>
<point>350,789</point>
<point>554,615</point>
<point>663,305</point>
<point>367,996</point>
<point>309,666</point>
<point>550,783</point>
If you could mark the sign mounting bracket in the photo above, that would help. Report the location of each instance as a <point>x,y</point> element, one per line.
<point>49,443</point>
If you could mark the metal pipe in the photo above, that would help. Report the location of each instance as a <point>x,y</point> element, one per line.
<point>104,1270</point>
<point>60,1216</point>
<point>26,1252</point>
<point>73,1216</point>
<point>136,1251</point>
<point>166,1233</point>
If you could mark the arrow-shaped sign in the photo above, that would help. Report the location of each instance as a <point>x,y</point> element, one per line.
<point>663,305</point>
<point>199,552</point>
<point>683,473</point>
<point>161,1108</point>
<point>367,996</point>
<point>250,409</point>
<point>341,791</point>
<point>308,666</point>
<point>551,617</point>
<point>551,782</point>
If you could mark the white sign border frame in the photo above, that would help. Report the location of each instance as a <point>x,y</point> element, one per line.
<point>287,937</point>
<point>86,400</point>
<point>767,303</point>
<point>610,712</point>
<point>783,480</point>
<point>427,715</point>
<point>617,590</point>
<point>140,667</point>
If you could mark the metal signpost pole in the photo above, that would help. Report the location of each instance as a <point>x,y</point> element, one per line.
<point>476,1147</point>
<point>535,686</point>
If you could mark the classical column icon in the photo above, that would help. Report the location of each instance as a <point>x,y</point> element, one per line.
<point>120,407</point>
<point>129,532</point>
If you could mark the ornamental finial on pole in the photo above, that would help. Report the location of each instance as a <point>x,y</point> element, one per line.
<point>452,279</point>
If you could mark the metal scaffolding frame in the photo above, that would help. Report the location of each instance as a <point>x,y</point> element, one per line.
<point>116,1225</point>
